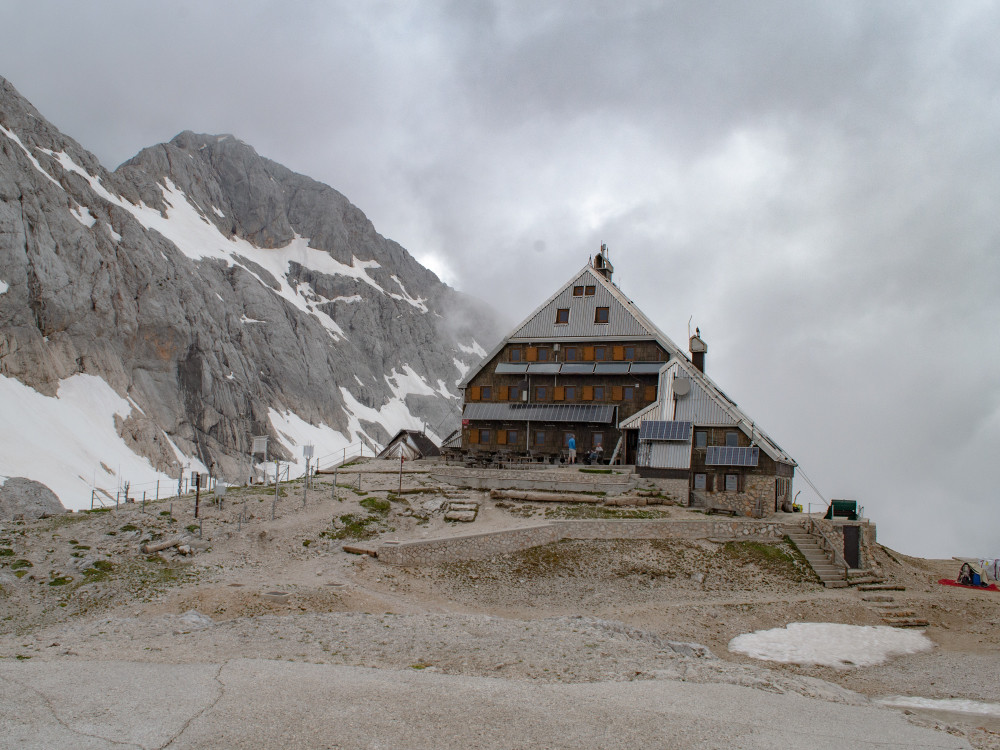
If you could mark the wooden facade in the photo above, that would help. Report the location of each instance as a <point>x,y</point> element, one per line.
<point>589,363</point>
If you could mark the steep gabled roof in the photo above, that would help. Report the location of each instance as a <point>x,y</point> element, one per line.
<point>625,320</point>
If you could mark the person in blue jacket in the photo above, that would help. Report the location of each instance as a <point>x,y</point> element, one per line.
<point>571,444</point>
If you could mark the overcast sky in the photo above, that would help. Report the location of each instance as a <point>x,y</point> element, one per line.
<point>817,184</point>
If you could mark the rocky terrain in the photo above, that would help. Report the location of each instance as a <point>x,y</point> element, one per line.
<point>212,295</point>
<point>79,593</point>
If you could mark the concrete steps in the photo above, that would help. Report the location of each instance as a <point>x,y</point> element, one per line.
<point>831,575</point>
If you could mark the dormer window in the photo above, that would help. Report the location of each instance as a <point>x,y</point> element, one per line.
<point>562,316</point>
<point>601,315</point>
<point>589,291</point>
<point>578,291</point>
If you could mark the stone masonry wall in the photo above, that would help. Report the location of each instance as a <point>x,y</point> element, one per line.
<point>478,546</point>
<point>835,530</point>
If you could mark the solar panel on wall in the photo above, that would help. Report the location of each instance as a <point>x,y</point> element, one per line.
<point>590,413</point>
<point>652,429</point>
<point>646,368</point>
<point>611,368</point>
<point>573,368</point>
<point>509,368</point>
<point>547,368</point>
<point>721,455</point>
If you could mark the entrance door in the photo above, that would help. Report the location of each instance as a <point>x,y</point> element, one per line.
<point>852,546</point>
<point>631,446</point>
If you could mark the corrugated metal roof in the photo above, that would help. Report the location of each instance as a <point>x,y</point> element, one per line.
<point>590,413</point>
<point>622,323</point>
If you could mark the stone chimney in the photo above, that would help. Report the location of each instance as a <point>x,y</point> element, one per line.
<point>697,348</point>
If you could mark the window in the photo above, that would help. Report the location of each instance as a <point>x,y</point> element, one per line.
<point>700,439</point>
<point>589,291</point>
<point>486,393</point>
<point>484,436</point>
<point>541,392</point>
<point>562,316</point>
<point>515,355</point>
<point>699,481</point>
<point>732,482</point>
<point>540,437</point>
<point>597,439</point>
<point>572,354</point>
<point>598,393</point>
<point>566,437</point>
<point>543,355</point>
<point>628,393</point>
<point>629,352</point>
<point>578,291</point>
<point>732,439</point>
<point>514,393</point>
<point>601,315</point>
<point>511,437</point>
<point>569,393</point>
<point>599,353</point>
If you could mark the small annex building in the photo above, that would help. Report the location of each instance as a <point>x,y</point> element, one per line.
<point>411,445</point>
<point>590,364</point>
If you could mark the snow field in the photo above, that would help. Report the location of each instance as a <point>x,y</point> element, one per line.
<point>62,441</point>
<point>830,644</point>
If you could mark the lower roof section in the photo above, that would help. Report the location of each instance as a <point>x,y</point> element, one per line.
<point>585,413</point>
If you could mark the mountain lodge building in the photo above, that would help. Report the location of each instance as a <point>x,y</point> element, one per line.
<point>589,363</point>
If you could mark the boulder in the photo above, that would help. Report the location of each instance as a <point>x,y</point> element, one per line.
<point>26,498</point>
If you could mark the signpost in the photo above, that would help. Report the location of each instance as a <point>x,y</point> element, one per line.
<point>307,451</point>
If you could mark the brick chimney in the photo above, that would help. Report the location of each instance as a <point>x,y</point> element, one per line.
<point>698,348</point>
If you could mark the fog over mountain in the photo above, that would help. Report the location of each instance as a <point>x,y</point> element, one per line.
<point>162,314</point>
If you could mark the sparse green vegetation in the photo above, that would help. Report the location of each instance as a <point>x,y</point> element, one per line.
<point>6,552</point>
<point>19,564</point>
<point>375,505</point>
<point>597,471</point>
<point>192,527</point>
<point>129,527</point>
<point>60,581</point>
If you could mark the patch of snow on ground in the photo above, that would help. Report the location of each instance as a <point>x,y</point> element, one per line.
<point>407,383</point>
<point>245,319</point>
<point>218,213</point>
<point>959,705</point>
<point>352,298</point>
<point>830,644</point>
<point>415,301</point>
<point>294,432</point>
<point>462,369</point>
<point>114,235</point>
<point>84,216</point>
<point>62,441</point>
<point>4,286</point>
<point>473,348</point>
<point>394,415</point>
<point>14,137</point>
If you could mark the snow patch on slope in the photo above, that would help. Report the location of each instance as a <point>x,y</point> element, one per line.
<point>959,705</point>
<point>61,441</point>
<point>83,216</point>
<point>294,432</point>
<point>473,348</point>
<point>198,238</point>
<point>4,286</point>
<point>13,136</point>
<point>830,644</point>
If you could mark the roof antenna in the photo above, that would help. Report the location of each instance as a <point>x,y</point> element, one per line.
<point>689,326</point>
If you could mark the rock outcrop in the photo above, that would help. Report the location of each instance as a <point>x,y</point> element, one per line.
<point>24,499</point>
<point>219,292</point>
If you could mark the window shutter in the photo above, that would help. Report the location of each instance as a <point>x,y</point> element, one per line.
<point>616,393</point>
<point>650,393</point>
<point>474,393</point>
<point>473,436</point>
<point>532,354</point>
<point>588,353</point>
<point>503,393</point>
<point>588,393</point>
<point>560,393</point>
<point>618,353</point>
<point>501,437</point>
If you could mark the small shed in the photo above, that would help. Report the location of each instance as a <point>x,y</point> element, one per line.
<point>411,444</point>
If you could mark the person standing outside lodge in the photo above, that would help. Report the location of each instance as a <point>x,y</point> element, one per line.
<point>571,445</point>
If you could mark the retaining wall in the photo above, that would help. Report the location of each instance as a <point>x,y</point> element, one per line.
<point>478,546</point>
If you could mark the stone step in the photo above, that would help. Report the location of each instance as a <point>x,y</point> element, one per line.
<point>905,622</point>
<point>838,584</point>
<point>899,614</point>
<point>878,598</point>
<point>881,587</point>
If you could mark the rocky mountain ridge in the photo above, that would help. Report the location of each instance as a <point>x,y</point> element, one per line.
<point>219,295</point>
